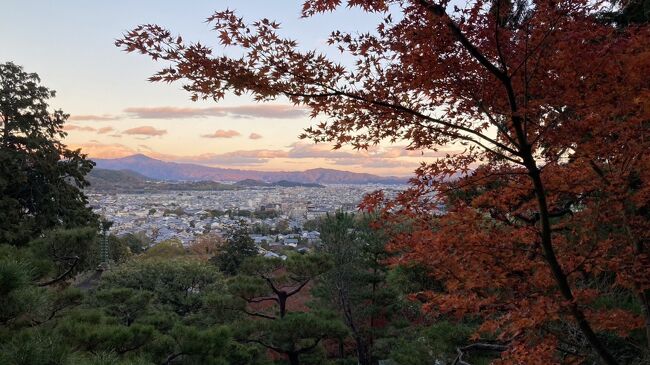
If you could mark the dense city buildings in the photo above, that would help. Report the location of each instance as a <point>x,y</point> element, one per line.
<point>275,215</point>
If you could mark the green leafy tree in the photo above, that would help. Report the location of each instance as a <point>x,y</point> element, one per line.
<point>238,246</point>
<point>40,178</point>
<point>283,226</point>
<point>154,312</point>
<point>268,293</point>
<point>169,249</point>
<point>356,286</point>
<point>312,224</point>
<point>179,285</point>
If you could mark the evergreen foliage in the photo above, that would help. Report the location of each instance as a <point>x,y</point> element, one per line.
<point>40,178</point>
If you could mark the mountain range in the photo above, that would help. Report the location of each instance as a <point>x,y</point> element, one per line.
<point>175,171</point>
<point>132,182</point>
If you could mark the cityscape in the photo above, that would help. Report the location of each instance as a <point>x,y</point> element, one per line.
<point>274,215</point>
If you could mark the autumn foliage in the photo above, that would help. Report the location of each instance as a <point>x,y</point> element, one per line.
<point>541,224</point>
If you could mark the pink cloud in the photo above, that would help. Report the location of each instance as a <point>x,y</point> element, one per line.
<point>85,117</point>
<point>242,111</point>
<point>255,136</point>
<point>220,133</point>
<point>310,150</point>
<point>105,130</point>
<point>105,150</point>
<point>145,131</point>
<point>72,127</point>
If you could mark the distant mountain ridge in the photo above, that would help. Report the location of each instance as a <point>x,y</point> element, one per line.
<point>282,183</point>
<point>129,181</point>
<point>163,170</point>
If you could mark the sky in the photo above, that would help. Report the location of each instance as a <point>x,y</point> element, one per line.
<point>116,112</point>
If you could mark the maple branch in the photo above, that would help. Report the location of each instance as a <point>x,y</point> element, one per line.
<point>502,59</point>
<point>401,108</point>
<point>439,10</point>
<point>415,113</point>
<point>493,121</point>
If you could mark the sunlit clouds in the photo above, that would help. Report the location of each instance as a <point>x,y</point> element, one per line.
<point>220,133</point>
<point>391,160</point>
<point>90,117</point>
<point>73,127</point>
<point>145,131</point>
<point>261,137</point>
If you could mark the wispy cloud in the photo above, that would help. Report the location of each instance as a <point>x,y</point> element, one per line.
<point>220,133</point>
<point>254,136</point>
<point>105,150</point>
<point>246,157</point>
<point>105,130</point>
<point>309,150</point>
<point>92,117</point>
<point>145,131</point>
<point>374,162</point>
<point>242,111</point>
<point>388,160</point>
<point>73,127</point>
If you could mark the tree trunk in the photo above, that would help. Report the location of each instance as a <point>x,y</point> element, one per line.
<point>645,301</point>
<point>644,296</point>
<point>363,351</point>
<point>556,269</point>
<point>5,132</point>
<point>526,154</point>
<point>282,303</point>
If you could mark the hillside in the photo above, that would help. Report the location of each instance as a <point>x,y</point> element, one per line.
<point>282,183</point>
<point>130,181</point>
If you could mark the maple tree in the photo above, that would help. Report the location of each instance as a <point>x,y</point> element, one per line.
<point>548,219</point>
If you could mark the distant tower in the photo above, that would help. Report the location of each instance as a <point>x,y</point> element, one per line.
<point>103,246</point>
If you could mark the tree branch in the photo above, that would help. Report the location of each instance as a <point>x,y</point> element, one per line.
<point>296,290</point>
<point>259,299</point>
<point>310,347</point>
<point>476,347</point>
<point>257,314</point>
<point>62,276</point>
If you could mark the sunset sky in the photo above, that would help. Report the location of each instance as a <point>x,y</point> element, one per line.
<point>115,112</point>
